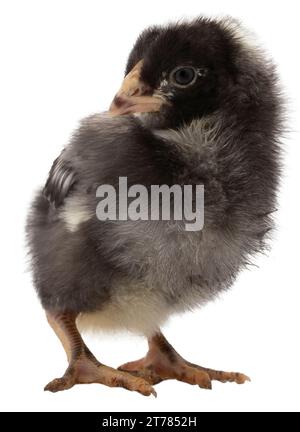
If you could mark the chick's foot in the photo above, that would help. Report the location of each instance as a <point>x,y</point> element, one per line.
<point>162,362</point>
<point>83,367</point>
<point>85,371</point>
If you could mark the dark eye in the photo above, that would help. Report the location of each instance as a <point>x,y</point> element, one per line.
<point>183,76</point>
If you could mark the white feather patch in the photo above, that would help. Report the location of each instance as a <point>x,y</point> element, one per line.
<point>75,212</point>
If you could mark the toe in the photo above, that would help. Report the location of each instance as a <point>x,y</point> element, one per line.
<point>132,366</point>
<point>224,377</point>
<point>58,384</point>
<point>131,382</point>
<point>146,389</point>
<point>195,376</point>
<point>141,386</point>
<point>241,378</point>
<point>203,380</point>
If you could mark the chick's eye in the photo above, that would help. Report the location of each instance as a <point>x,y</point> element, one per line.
<point>183,76</point>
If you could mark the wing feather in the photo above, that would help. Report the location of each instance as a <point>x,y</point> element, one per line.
<point>60,182</point>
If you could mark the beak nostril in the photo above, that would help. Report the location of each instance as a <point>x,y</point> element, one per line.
<point>135,92</point>
<point>139,89</point>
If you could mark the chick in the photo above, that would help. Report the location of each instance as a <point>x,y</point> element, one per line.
<point>199,105</point>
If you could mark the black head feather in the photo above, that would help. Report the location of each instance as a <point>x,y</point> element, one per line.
<point>236,79</point>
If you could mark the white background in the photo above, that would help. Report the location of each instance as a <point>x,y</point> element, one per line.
<point>60,61</point>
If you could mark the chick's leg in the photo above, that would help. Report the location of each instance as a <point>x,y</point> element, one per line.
<point>162,362</point>
<point>83,367</point>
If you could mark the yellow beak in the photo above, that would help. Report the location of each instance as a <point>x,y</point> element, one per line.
<point>132,96</point>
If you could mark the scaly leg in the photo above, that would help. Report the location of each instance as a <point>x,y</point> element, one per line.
<point>162,362</point>
<point>83,367</point>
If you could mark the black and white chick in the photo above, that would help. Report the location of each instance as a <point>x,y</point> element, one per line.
<point>199,105</point>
